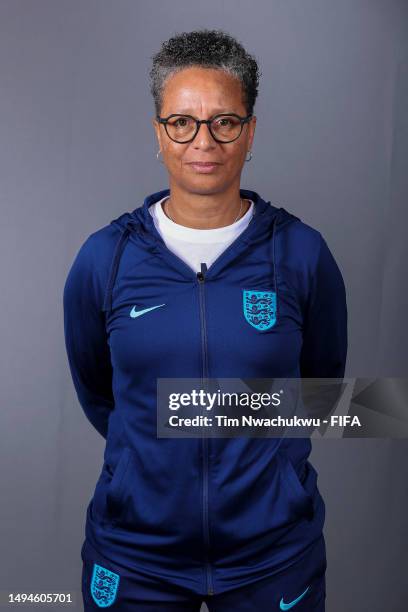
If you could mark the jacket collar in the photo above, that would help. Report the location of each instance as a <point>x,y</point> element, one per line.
<point>263,223</point>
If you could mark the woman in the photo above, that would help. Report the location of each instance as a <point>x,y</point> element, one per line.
<point>171,290</point>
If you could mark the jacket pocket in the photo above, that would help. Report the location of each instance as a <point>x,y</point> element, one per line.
<point>114,494</point>
<point>300,498</point>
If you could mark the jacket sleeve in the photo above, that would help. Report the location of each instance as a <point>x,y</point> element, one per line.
<point>324,349</point>
<point>86,339</point>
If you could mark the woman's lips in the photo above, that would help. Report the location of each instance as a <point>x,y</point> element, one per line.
<point>204,167</point>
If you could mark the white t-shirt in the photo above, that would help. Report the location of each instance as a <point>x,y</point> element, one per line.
<point>195,246</point>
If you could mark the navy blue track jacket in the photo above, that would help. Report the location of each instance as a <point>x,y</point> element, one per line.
<point>206,514</point>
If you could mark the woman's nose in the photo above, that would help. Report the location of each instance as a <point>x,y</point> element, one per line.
<point>204,140</point>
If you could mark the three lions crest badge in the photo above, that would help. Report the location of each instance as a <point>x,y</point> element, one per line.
<point>104,586</point>
<point>260,308</point>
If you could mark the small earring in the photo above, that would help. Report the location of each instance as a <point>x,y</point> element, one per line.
<point>250,156</point>
<point>157,155</point>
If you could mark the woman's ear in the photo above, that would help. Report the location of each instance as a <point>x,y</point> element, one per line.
<point>252,125</point>
<point>156,126</point>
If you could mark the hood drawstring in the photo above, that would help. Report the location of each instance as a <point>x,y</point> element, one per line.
<point>274,259</point>
<point>120,245</point>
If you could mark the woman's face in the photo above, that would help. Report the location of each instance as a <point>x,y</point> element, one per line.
<point>203,93</point>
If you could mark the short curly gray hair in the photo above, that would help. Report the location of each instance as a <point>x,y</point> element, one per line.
<point>208,49</point>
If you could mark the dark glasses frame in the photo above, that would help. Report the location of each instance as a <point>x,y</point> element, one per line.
<point>198,122</point>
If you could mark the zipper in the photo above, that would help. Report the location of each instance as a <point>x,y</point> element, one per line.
<point>201,280</point>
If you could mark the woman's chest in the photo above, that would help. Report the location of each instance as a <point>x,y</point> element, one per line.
<point>231,325</point>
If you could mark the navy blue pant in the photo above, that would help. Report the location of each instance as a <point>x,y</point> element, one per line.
<point>301,588</point>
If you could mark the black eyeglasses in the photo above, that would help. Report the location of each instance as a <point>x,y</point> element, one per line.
<point>225,127</point>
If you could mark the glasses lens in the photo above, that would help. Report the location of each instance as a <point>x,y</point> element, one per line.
<point>226,127</point>
<point>181,127</point>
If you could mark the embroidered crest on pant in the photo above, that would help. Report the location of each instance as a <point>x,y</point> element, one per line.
<point>260,308</point>
<point>104,586</point>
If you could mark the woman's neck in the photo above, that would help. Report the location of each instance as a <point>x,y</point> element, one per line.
<point>205,211</point>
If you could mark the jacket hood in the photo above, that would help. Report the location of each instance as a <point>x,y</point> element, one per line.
<point>264,222</point>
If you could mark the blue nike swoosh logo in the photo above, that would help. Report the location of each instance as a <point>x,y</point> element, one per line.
<point>137,313</point>
<point>288,606</point>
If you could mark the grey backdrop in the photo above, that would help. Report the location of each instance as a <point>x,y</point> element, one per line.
<point>78,148</point>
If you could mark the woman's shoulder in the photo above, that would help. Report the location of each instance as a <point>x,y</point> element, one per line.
<point>301,241</point>
<point>306,258</point>
<point>94,257</point>
<point>100,243</point>
<point>105,236</point>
